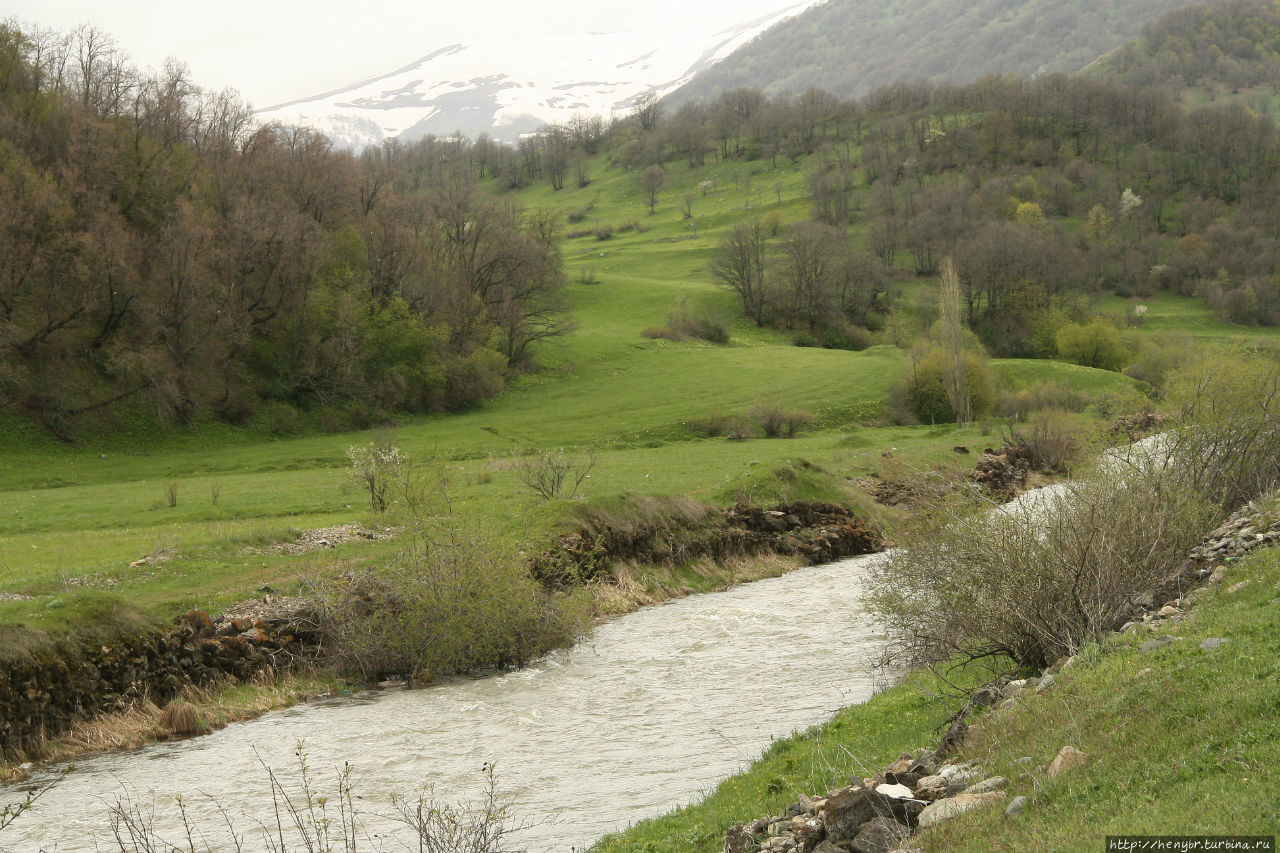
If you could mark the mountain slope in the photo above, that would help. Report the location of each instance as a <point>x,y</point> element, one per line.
<point>508,86</point>
<point>849,47</point>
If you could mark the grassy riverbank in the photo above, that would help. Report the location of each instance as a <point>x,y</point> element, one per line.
<point>1180,740</point>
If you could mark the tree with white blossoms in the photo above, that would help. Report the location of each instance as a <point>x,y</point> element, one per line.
<point>375,467</point>
<point>1130,201</point>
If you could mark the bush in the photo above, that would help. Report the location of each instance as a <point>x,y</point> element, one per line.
<point>1097,344</point>
<point>1018,405</point>
<point>440,607</point>
<point>1050,441</point>
<point>1227,409</point>
<point>717,424</point>
<point>776,422</point>
<point>923,388</point>
<point>579,214</point>
<point>548,472</point>
<point>603,232</point>
<point>1034,580</point>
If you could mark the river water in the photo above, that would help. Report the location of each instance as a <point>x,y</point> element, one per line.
<point>646,714</point>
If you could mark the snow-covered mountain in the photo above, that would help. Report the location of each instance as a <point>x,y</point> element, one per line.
<point>509,86</point>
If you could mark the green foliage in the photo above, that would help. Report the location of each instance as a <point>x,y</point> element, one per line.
<point>451,603</point>
<point>924,387</point>
<point>1096,344</point>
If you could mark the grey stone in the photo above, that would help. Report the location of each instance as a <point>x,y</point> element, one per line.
<point>931,788</point>
<point>1014,687</point>
<point>1016,805</point>
<point>1214,643</point>
<point>847,809</point>
<point>1236,587</point>
<point>879,835</point>
<point>1156,643</point>
<point>946,809</point>
<point>995,783</point>
<point>897,792</point>
<point>1169,610</point>
<point>1045,683</point>
<point>807,831</point>
<point>738,840</point>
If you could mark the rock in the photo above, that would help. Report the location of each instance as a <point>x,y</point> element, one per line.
<point>946,809</point>
<point>847,809</point>
<point>1045,683</point>
<point>931,788</point>
<point>1169,611</point>
<point>987,696</point>
<point>828,847</point>
<point>1013,688</point>
<point>879,835</point>
<point>1156,643</point>
<point>1214,643</point>
<point>1067,758</point>
<point>1218,575</point>
<point>807,831</point>
<point>896,792</point>
<point>1146,670</point>
<point>738,840</point>
<point>1009,703</point>
<point>986,786</point>
<point>1236,587</point>
<point>1016,805</point>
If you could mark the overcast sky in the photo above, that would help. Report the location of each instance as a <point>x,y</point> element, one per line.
<point>279,50</point>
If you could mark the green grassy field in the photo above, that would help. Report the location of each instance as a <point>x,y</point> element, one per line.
<point>1181,741</point>
<point>75,517</point>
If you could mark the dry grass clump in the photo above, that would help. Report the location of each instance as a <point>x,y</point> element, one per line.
<point>180,717</point>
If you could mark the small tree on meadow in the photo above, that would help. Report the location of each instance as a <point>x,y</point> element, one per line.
<point>651,181</point>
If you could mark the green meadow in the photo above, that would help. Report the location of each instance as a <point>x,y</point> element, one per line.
<point>195,509</point>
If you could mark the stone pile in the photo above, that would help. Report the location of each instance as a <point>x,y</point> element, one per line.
<point>45,692</point>
<point>1254,525</point>
<point>874,815</point>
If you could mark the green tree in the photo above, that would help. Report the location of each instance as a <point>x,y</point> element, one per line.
<point>1096,344</point>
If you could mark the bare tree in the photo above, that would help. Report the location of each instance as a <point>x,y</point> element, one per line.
<point>651,181</point>
<point>740,264</point>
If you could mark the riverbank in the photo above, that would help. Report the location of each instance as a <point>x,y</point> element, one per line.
<point>1175,717</point>
<point>259,655</point>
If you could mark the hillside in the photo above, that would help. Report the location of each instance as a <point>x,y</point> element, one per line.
<point>1206,52</point>
<point>849,47</point>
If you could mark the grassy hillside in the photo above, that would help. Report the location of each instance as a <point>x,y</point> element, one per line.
<point>76,517</point>
<point>849,47</point>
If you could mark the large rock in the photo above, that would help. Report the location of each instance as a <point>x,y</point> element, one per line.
<point>847,810</point>
<point>942,810</point>
<point>995,783</point>
<point>879,835</point>
<point>932,788</point>
<point>1067,758</point>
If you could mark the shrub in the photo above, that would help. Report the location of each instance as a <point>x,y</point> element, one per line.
<point>603,232</point>
<point>925,391</point>
<point>1017,405</point>
<point>377,467</point>
<point>1227,428</point>
<point>1050,441</point>
<point>547,472</point>
<point>1034,580</point>
<point>717,424</point>
<point>776,422</point>
<point>459,605</point>
<point>579,214</point>
<point>1097,344</point>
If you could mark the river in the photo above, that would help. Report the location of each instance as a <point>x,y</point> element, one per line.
<point>646,714</point>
